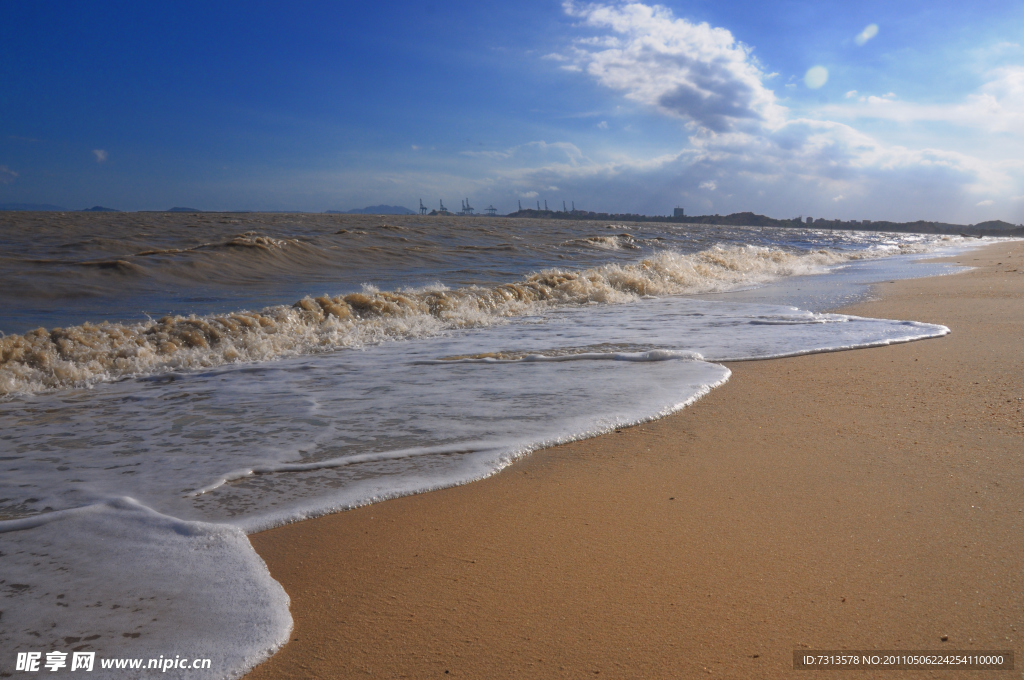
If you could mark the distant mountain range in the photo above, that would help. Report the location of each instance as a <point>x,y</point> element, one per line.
<point>375,210</point>
<point>188,210</point>
<point>46,207</point>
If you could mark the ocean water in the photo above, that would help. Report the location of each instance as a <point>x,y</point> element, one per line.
<point>170,383</point>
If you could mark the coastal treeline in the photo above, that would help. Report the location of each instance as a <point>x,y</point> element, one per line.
<point>749,219</point>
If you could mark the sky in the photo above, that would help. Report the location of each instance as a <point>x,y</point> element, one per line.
<point>869,110</point>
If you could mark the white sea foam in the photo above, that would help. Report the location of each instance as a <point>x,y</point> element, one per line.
<point>121,580</point>
<point>271,442</point>
<point>480,380</point>
<point>91,353</point>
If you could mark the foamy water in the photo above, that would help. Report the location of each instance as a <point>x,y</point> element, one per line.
<point>138,453</point>
<point>89,353</point>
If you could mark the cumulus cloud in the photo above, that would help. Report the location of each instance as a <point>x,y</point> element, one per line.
<point>603,125</point>
<point>7,175</point>
<point>691,71</point>
<point>100,154</point>
<point>742,136</point>
<point>738,148</point>
<point>869,32</point>
<point>799,168</point>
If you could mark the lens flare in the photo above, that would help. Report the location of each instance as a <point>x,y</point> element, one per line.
<point>869,32</point>
<point>815,77</point>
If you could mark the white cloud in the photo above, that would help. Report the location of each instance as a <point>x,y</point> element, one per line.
<point>801,167</point>
<point>760,157</point>
<point>851,94</point>
<point>603,125</point>
<point>692,71</point>
<point>7,175</point>
<point>869,32</point>
<point>998,106</point>
<point>101,155</point>
<point>415,148</point>
<point>998,49</point>
<point>739,133</point>
<point>984,203</point>
<point>815,77</point>
<point>540,153</point>
<point>496,155</point>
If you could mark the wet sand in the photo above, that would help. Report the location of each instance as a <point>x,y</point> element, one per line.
<point>871,499</point>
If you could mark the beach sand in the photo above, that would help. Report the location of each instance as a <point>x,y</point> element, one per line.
<point>870,499</point>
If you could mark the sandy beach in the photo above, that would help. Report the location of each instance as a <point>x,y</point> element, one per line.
<point>869,499</point>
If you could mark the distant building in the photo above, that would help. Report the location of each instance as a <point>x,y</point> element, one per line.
<point>679,212</point>
<point>810,220</point>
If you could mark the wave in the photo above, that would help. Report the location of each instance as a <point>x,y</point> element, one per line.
<point>117,266</point>
<point>238,259</point>
<point>82,355</point>
<point>616,242</point>
<point>249,239</point>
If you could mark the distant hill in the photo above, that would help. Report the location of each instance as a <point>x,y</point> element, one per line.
<point>749,219</point>
<point>375,210</point>
<point>100,208</point>
<point>995,225</point>
<point>45,207</point>
<point>188,210</point>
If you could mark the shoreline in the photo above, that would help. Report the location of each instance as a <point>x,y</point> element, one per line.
<point>865,499</point>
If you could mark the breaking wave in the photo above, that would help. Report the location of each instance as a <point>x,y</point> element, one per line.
<point>89,353</point>
<point>617,242</point>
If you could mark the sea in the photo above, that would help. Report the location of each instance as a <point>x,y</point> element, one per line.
<point>171,382</point>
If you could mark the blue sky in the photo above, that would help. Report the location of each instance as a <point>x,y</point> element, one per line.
<point>713,106</point>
